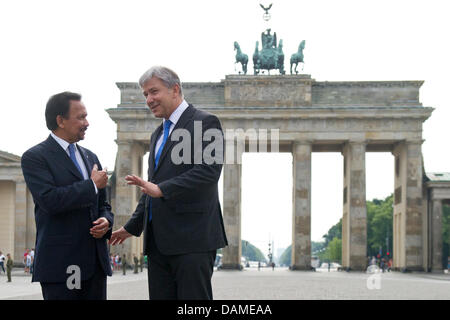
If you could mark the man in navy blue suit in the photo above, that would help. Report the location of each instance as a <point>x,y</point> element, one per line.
<point>73,218</point>
<point>179,211</point>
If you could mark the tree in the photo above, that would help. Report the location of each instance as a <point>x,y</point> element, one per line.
<point>252,253</point>
<point>334,232</point>
<point>379,226</point>
<point>285,258</point>
<point>334,250</point>
<point>379,233</point>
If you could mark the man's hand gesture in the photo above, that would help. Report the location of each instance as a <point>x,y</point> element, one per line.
<point>147,187</point>
<point>100,178</point>
<point>119,236</point>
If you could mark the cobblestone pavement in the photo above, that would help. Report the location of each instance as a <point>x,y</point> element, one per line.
<point>266,284</point>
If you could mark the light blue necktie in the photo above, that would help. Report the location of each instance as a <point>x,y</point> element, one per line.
<point>167,124</point>
<point>74,159</point>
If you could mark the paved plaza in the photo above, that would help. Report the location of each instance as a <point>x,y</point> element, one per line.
<point>266,284</point>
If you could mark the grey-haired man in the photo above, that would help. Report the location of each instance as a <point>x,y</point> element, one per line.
<point>179,211</point>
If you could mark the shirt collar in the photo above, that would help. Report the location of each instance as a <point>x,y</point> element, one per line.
<point>176,114</point>
<point>63,143</point>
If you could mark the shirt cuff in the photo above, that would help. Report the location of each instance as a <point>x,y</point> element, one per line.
<point>96,190</point>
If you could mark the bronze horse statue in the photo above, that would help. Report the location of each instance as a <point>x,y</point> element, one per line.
<point>297,58</point>
<point>256,60</point>
<point>241,57</point>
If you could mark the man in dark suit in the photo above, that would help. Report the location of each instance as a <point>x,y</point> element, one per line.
<point>73,219</point>
<point>179,211</point>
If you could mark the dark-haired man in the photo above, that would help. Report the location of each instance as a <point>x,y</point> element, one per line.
<point>73,219</point>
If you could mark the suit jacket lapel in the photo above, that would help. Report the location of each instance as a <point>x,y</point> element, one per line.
<point>62,157</point>
<point>185,117</point>
<point>151,158</point>
<point>87,161</point>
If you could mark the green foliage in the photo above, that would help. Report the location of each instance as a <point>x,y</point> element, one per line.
<point>252,253</point>
<point>286,256</point>
<point>317,246</point>
<point>379,226</point>
<point>334,232</point>
<point>334,250</point>
<point>379,231</point>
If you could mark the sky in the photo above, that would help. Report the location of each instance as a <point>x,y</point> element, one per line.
<point>88,46</point>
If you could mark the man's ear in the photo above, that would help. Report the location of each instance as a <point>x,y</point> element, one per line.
<point>176,90</point>
<point>60,121</point>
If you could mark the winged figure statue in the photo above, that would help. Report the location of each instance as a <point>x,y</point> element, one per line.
<point>266,9</point>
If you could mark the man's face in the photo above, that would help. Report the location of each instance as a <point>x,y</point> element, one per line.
<point>75,126</point>
<point>161,100</point>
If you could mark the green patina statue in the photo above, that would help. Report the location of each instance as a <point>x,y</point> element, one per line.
<point>297,58</point>
<point>241,57</point>
<point>270,57</point>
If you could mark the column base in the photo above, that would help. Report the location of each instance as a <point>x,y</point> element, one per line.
<point>409,269</point>
<point>230,266</point>
<point>301,268</point>
<point>354,268</point>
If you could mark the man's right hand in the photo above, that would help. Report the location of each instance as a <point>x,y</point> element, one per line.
<point>119,236</point>
<point>100,178</point>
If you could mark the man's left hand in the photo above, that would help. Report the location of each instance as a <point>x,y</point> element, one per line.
<point>101,226</point>
<point>147,187</point>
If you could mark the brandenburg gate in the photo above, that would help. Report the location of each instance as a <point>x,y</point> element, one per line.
<point>307,116</point>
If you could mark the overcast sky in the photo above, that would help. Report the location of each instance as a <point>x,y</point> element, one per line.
<point>88,46</point>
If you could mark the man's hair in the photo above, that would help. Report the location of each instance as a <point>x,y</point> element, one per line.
<point>166,75</point>
<point>59,105</point>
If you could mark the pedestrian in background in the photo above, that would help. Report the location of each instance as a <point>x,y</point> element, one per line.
<point>124,264</point>
<point>136,262</point>
<point>32,260</point>
<point>141,262</point>
<point>2,261</point>
<point>28,259</point>
<point>9,266</point>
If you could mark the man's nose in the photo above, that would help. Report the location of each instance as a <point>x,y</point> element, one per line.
<point>149,100</point>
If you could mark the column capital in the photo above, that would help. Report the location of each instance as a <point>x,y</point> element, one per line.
<point>353,143</point>
<point>303,142</point>
<point>414,141</point>
<point>357,142</point>
<point>124,142</point>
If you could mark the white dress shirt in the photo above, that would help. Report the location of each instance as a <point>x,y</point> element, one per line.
<point>174,117</point>
<point>65,145</point>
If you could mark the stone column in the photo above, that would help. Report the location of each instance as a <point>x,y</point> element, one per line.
<point>301,213</point>
<point>20,221</point>
<point>398,229</point>
<point>232,172</point>
<point>436,236</point>
<point>128,161</point>
<point>354,222</point>
<point>408,215</point>
<point>414,213</point>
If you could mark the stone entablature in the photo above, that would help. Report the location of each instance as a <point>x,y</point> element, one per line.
<point>288,91</point>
